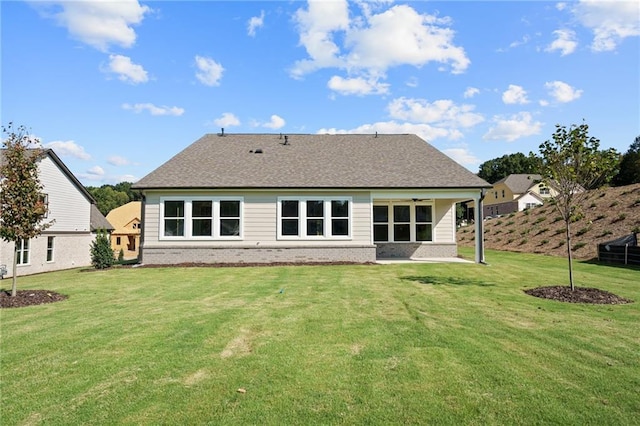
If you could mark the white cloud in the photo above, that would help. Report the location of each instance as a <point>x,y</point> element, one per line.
<point>425,131</point>
<point>515,127</point>
<point>565,42</point>
<point>127,71</point>
<point>116,160</point>
<point>610,21</point>
<point>68,149</point>
<point>153,109</point>
<point>275,123</point>
<point>371,43</point>
<point>97,23</point>
<point>471,92</point>
<point>210,72</point>
<point>462,156</point>
<point>444,112</point>
<point>401,36</point>
<point>515,95</point>
<point>96,171</point>
<point>227,120</point>
<point>357,86</point>
<point>562,92</point>
<point>254,23</point>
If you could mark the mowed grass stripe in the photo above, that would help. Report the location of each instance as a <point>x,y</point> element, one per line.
<point>377,344</point>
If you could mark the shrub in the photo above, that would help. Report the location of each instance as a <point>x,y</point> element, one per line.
<point>524,241</point>
<point>619,218</point>
<point>578,246</point>
<point>510,240</point>
<point>540,219</point>
<point>582,231</point>
<point>636,230</point>
<point>101,253</point>
<point>600,217</point>
<point>511,231</point>
<point>544,242</point>
<point>593,205</point>
<point>558,231</point>
<point>557,219</point>
<point>511,222</point>
<point>121,256</point>
<point>605,233</point>
<point>560,243</point>
<point>615,203</point>
<point>527,211</point>
<point>542,231</point>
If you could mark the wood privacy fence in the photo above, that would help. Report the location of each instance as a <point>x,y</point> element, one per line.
<point>622,250</point>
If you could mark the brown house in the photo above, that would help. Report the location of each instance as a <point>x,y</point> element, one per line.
<point>126,235</point>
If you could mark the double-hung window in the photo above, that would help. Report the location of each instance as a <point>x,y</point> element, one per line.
<point>400,222</point>
<point>23,249</point>
<point>50,241</point>
<point>201,218</point>
<point>314,217</point>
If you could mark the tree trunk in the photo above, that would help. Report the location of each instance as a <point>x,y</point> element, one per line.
<point>15,269</point>
<point>569,253</point>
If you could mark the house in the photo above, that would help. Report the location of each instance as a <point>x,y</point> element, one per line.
<point>264,198</point>
<point>66,244</point>
<point>126,235</point>
<point>516,192</point>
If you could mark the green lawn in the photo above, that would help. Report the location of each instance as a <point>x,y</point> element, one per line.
<point>378,344</point>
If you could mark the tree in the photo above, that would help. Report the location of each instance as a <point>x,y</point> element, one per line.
<point>571,164</point>
<point>101,253</point>
<point>108,197</point>
<point>22,207</point>
<point>498,168</point>
<point>629,166</point>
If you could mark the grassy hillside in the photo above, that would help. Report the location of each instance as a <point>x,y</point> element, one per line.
<point>607,213</point>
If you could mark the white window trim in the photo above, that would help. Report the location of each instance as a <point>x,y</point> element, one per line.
<point>188,228</point>
<point>412,221</point>
<point>22,250</point>
<point>302,219</point>
<point>53,250</point>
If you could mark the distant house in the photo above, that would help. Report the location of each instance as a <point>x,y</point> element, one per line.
<point>516,192</point>
<point>66,244</point>
<point>263,198</point>
<point>126,235</point>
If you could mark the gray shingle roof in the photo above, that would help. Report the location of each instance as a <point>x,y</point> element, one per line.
<point>98,221</point>
<point>310,161</point>
<point>520,183</point>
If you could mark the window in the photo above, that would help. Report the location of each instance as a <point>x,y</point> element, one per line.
<point>118,241</point>
<point>503,193</point>
<point>50,249</point>
<point>423,223</point>
<point>495,193</point>
<point>544,190</point>
<point>230,218</point>
<point>23,252</point>
<point>401,223</point>
<point>174,218</point>
<point>408,222</point>
<point>201,218</point>
<point>381,223</point>
<point>43,205</point>
<point>314,218</point>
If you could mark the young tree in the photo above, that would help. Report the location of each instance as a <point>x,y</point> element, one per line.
<point>21,205</point>
<point>101,253</point>
<point>571,164</point>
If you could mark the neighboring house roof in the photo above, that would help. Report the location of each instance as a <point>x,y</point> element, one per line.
<point>520,183</point>
<point>530,194</point>
<point>310,161</point>
<point>122,216</point>
<point>54,157</point>
<point>98,221</point>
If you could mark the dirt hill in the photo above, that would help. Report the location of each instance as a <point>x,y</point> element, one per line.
<point>607,214</point>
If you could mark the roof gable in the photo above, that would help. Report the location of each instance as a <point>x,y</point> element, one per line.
<point>310,161</point>
<point>520,183</point>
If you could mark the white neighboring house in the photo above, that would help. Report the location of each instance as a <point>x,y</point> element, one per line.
<point>66,244</point>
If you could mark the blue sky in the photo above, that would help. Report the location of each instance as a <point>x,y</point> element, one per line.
<point>118,88</point>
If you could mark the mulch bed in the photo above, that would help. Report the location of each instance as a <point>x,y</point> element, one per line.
<point>578,295</point>
<point>29,298</point>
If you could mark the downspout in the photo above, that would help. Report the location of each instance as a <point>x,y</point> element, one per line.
<point>142,228</point>
<point>479,218</point>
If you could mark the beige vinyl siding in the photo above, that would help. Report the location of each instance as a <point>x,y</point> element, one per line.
<point>70,208</point>
<point>444,221</point>
<point>259,219</point>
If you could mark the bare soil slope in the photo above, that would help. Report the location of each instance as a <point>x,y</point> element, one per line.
<point>606,214</point>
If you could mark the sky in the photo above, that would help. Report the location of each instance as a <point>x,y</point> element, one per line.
<point>118,88</point>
